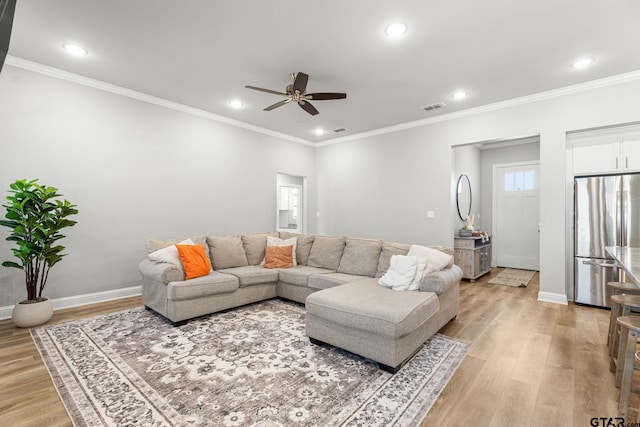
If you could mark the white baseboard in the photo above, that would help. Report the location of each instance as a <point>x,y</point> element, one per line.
<point>553,297</point>
<point>78,300</point>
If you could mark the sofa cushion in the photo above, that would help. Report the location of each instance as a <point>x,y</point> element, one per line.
<point>252,275</point>
<point>212,284</point>
<point>388,250</point>
<point>254,245</point>
<point>357,306</point>
<point>226,252</point>
<point>326,252</point>
<point>299,275</point>
<point>360,257</point>
<point>329,280</point>
<point>305,241</point>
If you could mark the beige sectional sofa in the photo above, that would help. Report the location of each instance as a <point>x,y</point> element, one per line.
<point>337,278</point>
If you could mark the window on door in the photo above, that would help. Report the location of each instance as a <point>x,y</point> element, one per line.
<point>520,181</point>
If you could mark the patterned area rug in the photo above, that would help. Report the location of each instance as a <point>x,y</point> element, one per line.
<point>252,366</point>
<point>513,277</point>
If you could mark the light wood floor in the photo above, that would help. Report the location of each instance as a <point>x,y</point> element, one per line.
<point>531,364</point>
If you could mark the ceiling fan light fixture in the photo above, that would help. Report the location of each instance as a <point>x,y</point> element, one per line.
<point>396,30</point>
<point>74,49</point>
<point>582,63</point>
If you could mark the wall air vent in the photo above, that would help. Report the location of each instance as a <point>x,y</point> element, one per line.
<point>435,106</point>
<point>339,130</point>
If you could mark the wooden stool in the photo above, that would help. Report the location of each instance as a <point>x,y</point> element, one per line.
<point>626,355</point>
<point>618,288</point>
<point>621,305</point>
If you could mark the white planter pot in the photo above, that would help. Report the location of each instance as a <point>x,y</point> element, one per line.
<point>29,314</point>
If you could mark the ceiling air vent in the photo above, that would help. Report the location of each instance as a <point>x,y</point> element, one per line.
<point>339,130</point>
<point>435,106</point>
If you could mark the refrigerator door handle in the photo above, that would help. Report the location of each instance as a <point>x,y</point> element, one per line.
<point>601,264</point>
<point>625,214</point>
<point>619,219</point>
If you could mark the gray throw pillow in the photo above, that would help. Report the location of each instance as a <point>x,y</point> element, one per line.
<point>305,241</point>
<point>326,252</point>
<point>254,245</point>
<point>226,252</point>
<point>360,257</point>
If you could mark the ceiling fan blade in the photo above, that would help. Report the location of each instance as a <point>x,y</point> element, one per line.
<point>320,96</point>
<point>266,90</point>
<point>308,108</point>
<point>300,83</point>
<point>277,104</point>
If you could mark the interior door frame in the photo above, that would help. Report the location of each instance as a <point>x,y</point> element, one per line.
<point>303,205</point>
<point>494,202</point>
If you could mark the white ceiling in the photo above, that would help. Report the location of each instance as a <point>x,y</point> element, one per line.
<point>201,53</point>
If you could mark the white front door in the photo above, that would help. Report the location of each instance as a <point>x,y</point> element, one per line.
<point>516,215</point>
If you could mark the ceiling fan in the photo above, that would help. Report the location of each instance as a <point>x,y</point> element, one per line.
<point>296,92</point>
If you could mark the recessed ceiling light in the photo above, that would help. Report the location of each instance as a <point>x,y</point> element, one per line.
<point>459,95</point>
<point>74,50</point>
<point>396,30</point>
<point>236,104</point>
<point>319,131</point>
<point>583,63</point>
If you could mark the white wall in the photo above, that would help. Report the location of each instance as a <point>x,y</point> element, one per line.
<point>136,171</point>
<point>467,160</point>
<point>382,185</point>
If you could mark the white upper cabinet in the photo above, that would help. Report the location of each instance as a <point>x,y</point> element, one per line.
<point>606,152</point>
<point>596,158</point>
<point>631,154</point>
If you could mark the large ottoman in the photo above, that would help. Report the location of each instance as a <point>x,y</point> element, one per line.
<point>367,319</point>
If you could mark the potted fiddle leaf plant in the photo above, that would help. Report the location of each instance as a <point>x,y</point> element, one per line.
<point>35,215</point>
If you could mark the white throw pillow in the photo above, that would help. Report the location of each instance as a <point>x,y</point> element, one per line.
<point>169,254</point>
<point>276,241</point>
<point>422,264</point>
<point>401,272</point>
<point>436,260</point>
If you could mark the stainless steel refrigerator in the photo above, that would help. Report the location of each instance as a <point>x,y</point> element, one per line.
<point>607,213</point>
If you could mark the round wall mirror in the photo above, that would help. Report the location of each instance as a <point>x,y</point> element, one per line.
<point>463,197</point>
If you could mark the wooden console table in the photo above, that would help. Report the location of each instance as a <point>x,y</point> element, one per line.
<point>473,256</point>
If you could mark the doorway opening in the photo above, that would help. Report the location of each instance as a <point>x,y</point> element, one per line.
<point>291,203</point>
<point>478,161</point>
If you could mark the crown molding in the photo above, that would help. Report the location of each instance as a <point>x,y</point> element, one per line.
<point>541,96</point>
<point>118,90</point>
<point>107,87</point>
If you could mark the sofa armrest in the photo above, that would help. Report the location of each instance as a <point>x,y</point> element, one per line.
<point>161,271</point>
<point>440,281</point>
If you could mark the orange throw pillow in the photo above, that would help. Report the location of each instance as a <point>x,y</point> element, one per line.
<point>278,257</point>
<point>194,260</point>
